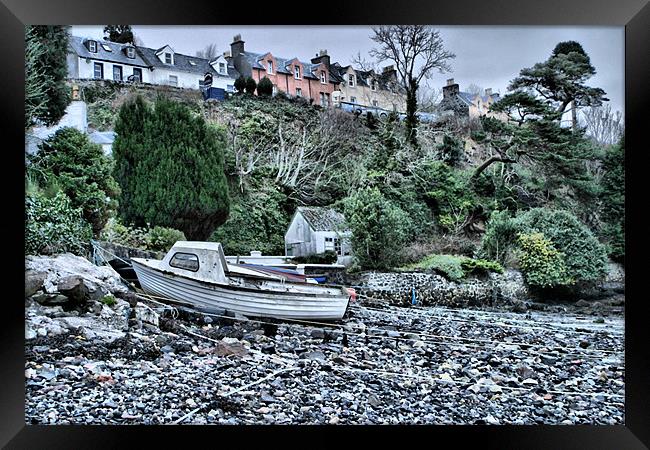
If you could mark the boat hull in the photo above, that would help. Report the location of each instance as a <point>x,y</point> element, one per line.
<point>314,304</point>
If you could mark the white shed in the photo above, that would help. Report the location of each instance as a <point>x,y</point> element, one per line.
<point>315,230</point>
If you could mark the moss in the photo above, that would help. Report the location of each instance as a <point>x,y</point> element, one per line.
<point>108,300</point>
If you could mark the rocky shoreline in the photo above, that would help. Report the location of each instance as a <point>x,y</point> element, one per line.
<point>102,356</point>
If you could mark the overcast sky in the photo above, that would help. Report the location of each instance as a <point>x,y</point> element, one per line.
<point>488,56</point>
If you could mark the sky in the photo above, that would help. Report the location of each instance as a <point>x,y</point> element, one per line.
<point>487,56</point>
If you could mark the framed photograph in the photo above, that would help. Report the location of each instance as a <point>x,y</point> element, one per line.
<point>403,219</point>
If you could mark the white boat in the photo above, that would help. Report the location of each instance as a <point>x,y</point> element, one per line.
<point>196,273</point>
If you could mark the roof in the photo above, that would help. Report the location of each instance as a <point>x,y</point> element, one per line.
<point>323,219</point>
<point>116,54</point>
<point>283,64</point>
<point>182,63</point>
<point>102,137</point>
<point>384,80</point>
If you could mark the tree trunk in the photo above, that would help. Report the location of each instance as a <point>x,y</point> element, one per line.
<point>487,163</point>
<point>411,109</point>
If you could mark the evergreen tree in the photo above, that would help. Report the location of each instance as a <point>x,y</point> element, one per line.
<point>613,201</point>
<point>251,85</point>
<point>265,87</point>
<point>122,34</point>
<point>170,176</point>
<point>53,66</point>
<point>240,84</point>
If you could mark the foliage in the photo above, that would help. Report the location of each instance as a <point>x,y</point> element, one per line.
<point>102,115</point>
<point>240,84</point>
<point>265,87</point>
<point>499,236</point>
<point>51,65</point>
<point>52,225</point>
<point>122,34</point>
<point>35,77</point>
<point>541,263</point>
<point>170,176</point>
<point>612,199</point>
<point>251,85</point>
<point>455,267</point>
<point>328,257</point>
<point>162,238</point>
<point>156,238</point>
<point>82,171</point>
<point>451,150</point>
<point>377,228</point>
<point>108,300</point>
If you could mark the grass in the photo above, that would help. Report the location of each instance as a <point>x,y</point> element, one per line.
<point>455,267</point>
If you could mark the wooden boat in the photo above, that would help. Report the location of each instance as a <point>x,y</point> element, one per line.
<point>197,273</point>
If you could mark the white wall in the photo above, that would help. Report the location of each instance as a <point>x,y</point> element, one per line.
<point>185,79</point>
<point>87,70</point>
<point>299,231</point>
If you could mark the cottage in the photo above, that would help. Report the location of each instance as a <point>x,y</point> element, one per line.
<point>465,104</point>
<point>90,58</point>
<point>316,230</point>
<point>311,80</point>
<point>369,89</point>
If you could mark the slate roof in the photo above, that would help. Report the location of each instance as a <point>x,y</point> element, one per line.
<point>182,63</point>
<point>117,53</point>
<point>384,81</point>
<point>283,65</point>
<point>323,219</point>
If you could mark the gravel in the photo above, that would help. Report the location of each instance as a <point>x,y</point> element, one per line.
<point>377,366</point>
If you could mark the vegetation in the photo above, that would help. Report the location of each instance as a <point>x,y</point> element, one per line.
<point>157,238</point>
<point>170,176</point>
<point>240,84</point>
<point>612,200</point>
<point>328,257</point>
<point>81,170</point>
<point>265,87</point>
<point>455,267</point>
<point>541,263</point>
<point>251,85</point>
<point>47,95</point>
<point>122,34</point>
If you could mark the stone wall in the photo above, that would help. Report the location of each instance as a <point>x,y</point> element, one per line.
<point>432,289</point>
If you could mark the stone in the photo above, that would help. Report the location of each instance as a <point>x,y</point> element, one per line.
<point>314,355</point>
<point>51,299</point>
<point>225,349</point>
<point>33,282</point>
<point>74,288</point>
<point>317,333</point>
<point>147,315</point>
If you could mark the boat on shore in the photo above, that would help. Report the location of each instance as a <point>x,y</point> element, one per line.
<point>197,273</point>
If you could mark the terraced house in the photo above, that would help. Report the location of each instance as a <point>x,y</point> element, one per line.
<point>90,58</point>
<point>370,89</point>
<point>311,80</point>
<point>465,104</point>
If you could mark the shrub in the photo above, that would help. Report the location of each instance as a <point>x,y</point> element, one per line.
<point>108,300</point>
<point>451,151</point>
<point>101,115</point>
<point>265,87</point>
<point>455,267</point>
<point>240,84</point>
<point>82,171</point>
<point>162,239</point>
<point>329,257</point>
<point>250,85</point>
<point>52,225</point>
<point>613,201</point>
<point>541,263</point>
<point>378,229</point>
<point>499,237</point>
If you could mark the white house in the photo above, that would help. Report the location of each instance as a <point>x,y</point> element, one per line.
<point>316,230</point>
<point>90,58</point>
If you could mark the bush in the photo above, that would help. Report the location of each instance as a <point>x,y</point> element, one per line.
<point>101,115</point>
<point>378,229</point>
<point>108,300</point>
<point>156,238</point>
<point>250,85</point>
<point>162,239</point>
<point>612,199</point>
<point>82,171</point>
<point>455,267</point>
<point>451,151</point>
<point>52,225</point>
<point>240,84</point>
<point>499,237</point>
<point>265,87</point>
<point>542,265</point>
<point>329,257</point>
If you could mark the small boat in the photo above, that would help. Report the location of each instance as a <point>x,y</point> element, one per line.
<point>197,273</point>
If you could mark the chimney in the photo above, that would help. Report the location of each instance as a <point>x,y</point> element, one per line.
<point>390,71</point>
<point>238,59</point>
<point>488,91</point>
<point>226,54</point>
<point>451,90</point>
<point>322,57</point>
<point>237,45</point>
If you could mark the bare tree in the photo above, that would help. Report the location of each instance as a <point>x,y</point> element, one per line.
<point>603,125</point>
<point>475,89</point>
<point>417,51</point>
<point>429,98</point>
<point>210,52</point>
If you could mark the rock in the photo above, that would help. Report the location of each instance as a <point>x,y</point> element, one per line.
<point>33,282</point>
<point>315,356</point>
<point>519,307</point>
<point>317,333</point>
<point>529,382</point>
<point>584,344</point>
<point>92,328</point>
<point>225,349</point>
<point>146,314</point>
<point>74,288</point>
<point>167,349</point>
<point>269,349</point>
<point>51,299</point>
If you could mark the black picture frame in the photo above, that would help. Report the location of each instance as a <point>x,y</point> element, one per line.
<point>633,14</point>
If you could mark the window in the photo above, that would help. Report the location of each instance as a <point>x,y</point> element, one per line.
<point>117,73</point>
<point>374,103</point>
<point>351,80</point>
<point>106,47</point>
<point>327,99</point>
<point>99,70</point>
<point>269,66</point>
<point>373,85</point>
<point>168,58</point>
<point>322,103</point>
<point>298,92</point>
<point>322,77</point>
<point>353,99</point>
<point>230,88</point>
<point>185,261</point>
<point>329,243</point>
<point>130,52</point>
<point>275,89</point>
<point>337,247</point>
<point>173,80</point>
<point>92,46</point>
<point>222,67</point>
<point>297,72</point>
<point>137,75</point>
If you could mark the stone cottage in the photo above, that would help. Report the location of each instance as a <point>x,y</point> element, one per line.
<point>315,230</point>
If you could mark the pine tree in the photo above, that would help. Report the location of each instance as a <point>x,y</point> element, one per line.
<point>170,176</point>
<point>122,34</point>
